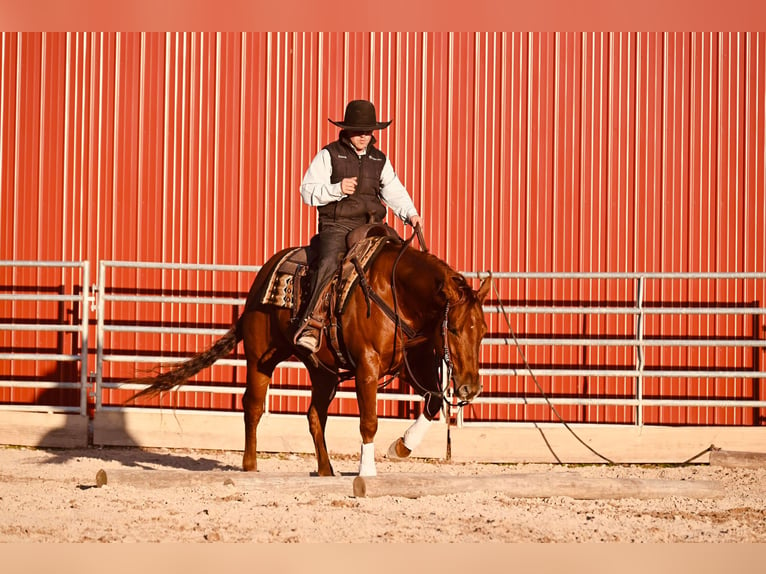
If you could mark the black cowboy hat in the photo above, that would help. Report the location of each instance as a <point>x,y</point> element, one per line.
<point>360,116</point>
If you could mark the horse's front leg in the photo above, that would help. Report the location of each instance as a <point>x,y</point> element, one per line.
<point>366,393</point>
<point>427,377</point>
<point>323,386</point>
<point>402,447</point>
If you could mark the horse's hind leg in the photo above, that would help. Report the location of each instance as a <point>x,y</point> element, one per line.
<point>263,355</point>
<point>323,386</point>
<point>254,404</point>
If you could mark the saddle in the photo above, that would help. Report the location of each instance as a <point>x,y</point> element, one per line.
<point>287,285</point>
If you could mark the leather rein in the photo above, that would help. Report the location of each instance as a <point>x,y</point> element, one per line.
<point>414,337</point>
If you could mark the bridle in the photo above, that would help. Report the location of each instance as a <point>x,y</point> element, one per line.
<point>446,360</point>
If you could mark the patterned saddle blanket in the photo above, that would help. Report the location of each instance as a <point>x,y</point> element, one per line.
<point>287,286</point>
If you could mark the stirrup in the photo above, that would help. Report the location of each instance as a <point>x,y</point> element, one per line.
<point>308,340</point>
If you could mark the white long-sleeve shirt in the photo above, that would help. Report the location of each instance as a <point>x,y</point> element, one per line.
<point>317,190</point>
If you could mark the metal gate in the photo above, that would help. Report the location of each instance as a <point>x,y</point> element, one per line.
<point>42,302</point>
<point>697,359</point>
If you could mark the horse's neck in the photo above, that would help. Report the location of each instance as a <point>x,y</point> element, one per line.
<point>417,279</point>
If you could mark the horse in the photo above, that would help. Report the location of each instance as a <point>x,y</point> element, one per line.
<point>410,313</point>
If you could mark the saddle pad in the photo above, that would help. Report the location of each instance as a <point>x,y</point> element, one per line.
<point>280,286</point>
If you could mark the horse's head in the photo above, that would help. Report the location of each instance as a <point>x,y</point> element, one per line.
<point>462,333</point>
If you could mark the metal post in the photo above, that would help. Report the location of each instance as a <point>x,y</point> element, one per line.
<point>84,325</point>
<point>640,351</point>
<point>100,334</point>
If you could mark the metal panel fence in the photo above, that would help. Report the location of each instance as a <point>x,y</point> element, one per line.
<point>627,358</point>
<point>633,358</point>
<point>40,304</point>
<point>630,359</point>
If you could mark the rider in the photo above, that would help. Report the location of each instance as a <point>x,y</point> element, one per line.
<point>351,182</point>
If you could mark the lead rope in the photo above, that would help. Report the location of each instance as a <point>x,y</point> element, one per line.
<point>539,388</point>
<point>553,409</point>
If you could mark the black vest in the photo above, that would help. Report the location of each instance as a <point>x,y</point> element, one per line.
<point>364,204</point>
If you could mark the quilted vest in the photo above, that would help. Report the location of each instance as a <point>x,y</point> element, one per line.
<point>364,205</point>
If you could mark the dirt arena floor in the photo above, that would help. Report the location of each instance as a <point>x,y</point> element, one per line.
<point>202,496</point>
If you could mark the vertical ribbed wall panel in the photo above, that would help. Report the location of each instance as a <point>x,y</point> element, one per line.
<point>524,152</point>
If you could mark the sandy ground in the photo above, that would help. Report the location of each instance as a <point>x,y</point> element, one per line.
<point>201,496</point>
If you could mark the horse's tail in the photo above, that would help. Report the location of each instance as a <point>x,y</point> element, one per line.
<point>178,375</point>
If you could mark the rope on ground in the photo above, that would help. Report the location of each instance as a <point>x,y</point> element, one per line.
<point>553,409</point>
<point>540,388</point>
<point>696,456</point>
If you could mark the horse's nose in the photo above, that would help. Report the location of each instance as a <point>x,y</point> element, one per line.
<point>468,392</point>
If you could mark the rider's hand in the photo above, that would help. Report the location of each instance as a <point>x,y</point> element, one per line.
<point>348,185</point>
<point>415,220</point>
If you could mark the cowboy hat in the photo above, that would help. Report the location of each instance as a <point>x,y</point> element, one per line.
<point>360,116</point>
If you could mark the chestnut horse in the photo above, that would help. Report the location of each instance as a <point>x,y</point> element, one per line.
<point>433,315</point>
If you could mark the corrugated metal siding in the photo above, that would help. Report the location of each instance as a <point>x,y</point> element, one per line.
<point>552,152</point>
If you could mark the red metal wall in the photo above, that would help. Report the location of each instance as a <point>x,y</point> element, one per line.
<point>549,152</point>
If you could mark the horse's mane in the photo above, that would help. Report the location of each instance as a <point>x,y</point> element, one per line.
<point>454,286</point>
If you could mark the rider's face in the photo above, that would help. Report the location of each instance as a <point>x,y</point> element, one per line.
<point>360,140</point>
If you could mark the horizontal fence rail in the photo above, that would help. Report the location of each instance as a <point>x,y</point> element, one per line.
<point>30,323</point>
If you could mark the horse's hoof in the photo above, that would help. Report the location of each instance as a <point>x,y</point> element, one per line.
<point>397,450</point>
<point>326,472</point>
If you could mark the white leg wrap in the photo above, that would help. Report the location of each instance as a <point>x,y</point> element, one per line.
<point>413,436</point>
<point>367,460</point>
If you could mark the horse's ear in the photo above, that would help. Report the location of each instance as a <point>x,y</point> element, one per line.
<point>483,291</point>
<point>452,289</point>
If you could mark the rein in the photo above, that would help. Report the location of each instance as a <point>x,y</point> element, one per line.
<point>445,358</point>
<point>414,337</point>
<point>369,293</point>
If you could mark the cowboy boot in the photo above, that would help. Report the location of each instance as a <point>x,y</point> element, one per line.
<point>309,333</point>
<point>309,337</point>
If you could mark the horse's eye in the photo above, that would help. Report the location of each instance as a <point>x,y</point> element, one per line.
<point>453,331</point>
